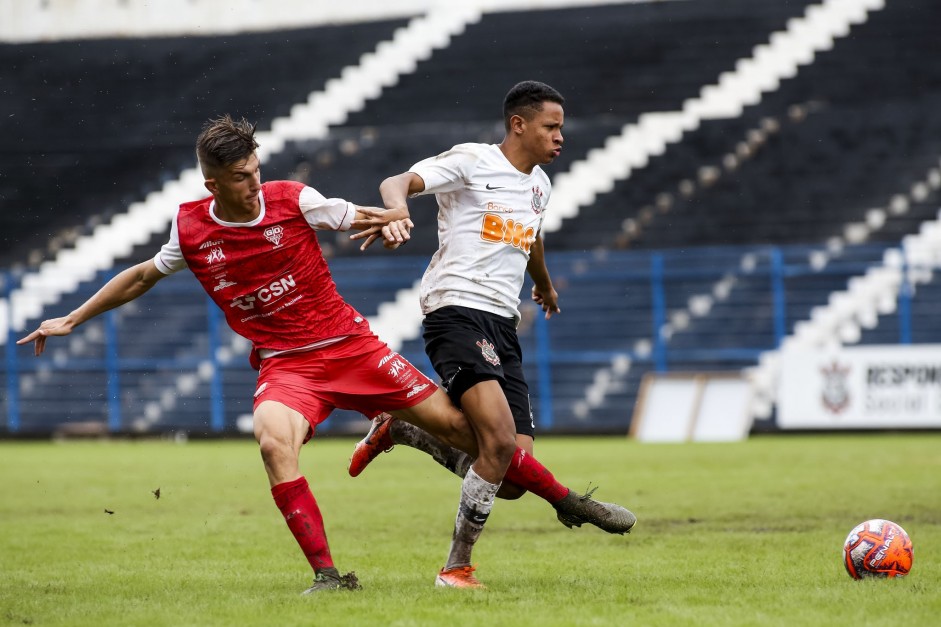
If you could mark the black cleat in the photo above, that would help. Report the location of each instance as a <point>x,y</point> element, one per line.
<point>576,509</point>
<point>331,579</point>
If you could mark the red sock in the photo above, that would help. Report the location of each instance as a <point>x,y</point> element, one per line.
<point>528,473</point>
<point>297,504</point>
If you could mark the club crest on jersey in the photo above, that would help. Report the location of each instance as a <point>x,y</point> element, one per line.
<point>486,349</point>
<point>273,234</point>
<point>537,200</point>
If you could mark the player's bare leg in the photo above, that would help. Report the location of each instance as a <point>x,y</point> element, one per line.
<point>280,432</point>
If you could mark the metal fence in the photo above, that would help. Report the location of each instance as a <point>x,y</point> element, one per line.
<point>167,362</point>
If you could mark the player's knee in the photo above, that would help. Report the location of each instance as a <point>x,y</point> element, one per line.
<point>504,449</point>
<point>268,448</point>
<point>272,448</point>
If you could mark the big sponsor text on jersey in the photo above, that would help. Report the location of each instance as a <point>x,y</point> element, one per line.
<point>494,228</point>
<point>267,294</point>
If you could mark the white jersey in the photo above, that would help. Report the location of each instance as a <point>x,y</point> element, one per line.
<point>489,215</point>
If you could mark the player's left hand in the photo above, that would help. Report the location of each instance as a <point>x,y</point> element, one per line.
<point>51,327</point>
<point>548,300</point>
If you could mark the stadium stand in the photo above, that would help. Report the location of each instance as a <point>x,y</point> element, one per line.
<point>417,117</point>
<point>707,254</point>
<point>110,120</point>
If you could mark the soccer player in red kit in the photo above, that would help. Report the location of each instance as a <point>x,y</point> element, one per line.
<point>253,247</point>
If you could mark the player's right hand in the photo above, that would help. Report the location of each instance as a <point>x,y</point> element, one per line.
<point>392,225</point>
<point>397,233</point>
<point>53,326</point>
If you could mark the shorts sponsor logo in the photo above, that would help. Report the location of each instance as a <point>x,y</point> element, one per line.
<point>486,349</point>
<point>418,389</point>
<point>261,388</point>
<point>397,366</point>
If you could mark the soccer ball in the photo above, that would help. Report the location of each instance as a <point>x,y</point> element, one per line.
<point>877,548</point>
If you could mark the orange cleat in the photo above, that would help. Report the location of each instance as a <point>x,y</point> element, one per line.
<point>460,577</point>
<point>378,440</point>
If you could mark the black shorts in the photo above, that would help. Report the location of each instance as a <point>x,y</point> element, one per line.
<point>467,346</point>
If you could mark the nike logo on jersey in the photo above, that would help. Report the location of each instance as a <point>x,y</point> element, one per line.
<point>491,187</point>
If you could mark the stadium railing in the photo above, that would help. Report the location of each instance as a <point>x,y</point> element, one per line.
<point>169,363</point>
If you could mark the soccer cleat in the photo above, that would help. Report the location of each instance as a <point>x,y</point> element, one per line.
<point>331,579</point>
<point>378,440</point>
<point>459,577</point>
<point>576,509</point>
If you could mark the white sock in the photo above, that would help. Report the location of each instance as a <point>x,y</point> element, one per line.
<point>477,497</point>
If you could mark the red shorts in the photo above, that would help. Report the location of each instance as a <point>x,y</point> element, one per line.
<point>360,373</point>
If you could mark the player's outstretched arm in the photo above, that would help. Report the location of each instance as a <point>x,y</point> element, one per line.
<point>123,288</point>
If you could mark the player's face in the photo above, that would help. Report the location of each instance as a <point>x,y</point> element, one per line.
<point>542,136</point>
<point>237,186</point>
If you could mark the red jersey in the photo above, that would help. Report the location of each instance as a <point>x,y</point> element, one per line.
<point>269,278</point>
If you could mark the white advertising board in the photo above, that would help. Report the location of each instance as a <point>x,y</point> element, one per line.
<point>864,387</point>
<point>700,407</point>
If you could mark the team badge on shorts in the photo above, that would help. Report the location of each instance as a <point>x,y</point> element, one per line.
<point>486,349</point>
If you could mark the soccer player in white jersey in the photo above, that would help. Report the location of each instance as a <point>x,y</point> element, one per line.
<point>492,200</point>
<point>253,247</point>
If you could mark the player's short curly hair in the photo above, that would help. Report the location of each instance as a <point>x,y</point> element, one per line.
<point>224,141</point>
<point>526,99</point>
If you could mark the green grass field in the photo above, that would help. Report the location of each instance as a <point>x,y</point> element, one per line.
<point>729,534</point>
